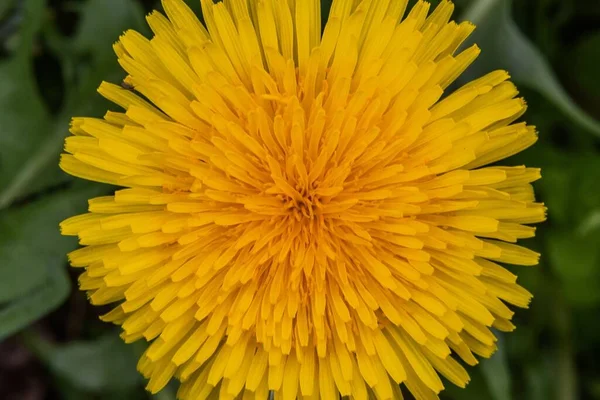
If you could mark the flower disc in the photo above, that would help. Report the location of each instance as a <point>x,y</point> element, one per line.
<point>304,213</point>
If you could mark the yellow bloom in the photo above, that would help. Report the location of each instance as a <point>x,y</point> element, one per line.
<point>303,213</point>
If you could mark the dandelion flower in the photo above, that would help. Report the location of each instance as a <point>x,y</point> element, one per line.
<point>305,214</point>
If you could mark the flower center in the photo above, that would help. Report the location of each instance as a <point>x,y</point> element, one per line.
<point>304,206</point>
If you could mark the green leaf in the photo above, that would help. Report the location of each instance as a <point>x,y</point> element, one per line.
<point>555,190</point>
<point>566,372</point>
<point>168,393</point>
<point>539,382</point>
<point>590,223</point>
<point>505,46</point>
<point>105,364</point>
<point>24,119</point>
<point>583,65</point>
<point>568,185</point>
<point>477,389</point>
<point>557,183</point>
<point>496,373</point>
<point>30,240</point>
<point>102,22</point>
<point>585,176</point>
<point>42,299</point>
<point>4,7</point>
<point>31,142</point>
<point>33,255</point>
<point>575,257</point>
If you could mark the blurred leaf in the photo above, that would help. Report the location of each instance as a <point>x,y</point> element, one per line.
<point>106,364</point>
<point>68,392</point>
<point>505,46</point>
<point>581,294</point>
<point>30,239</point>
<point>32,257</point>
<point>477,389</point>
<point>539,383</point>
<point>575,258</point>
<point>44,298</point>
<point>595,389</point>
<point>32,144</point>
<point>102,22</point>
<point>4,7</point>
<point>168,393</point>
<point>585,177</point>
<point>24,119</point>
<point>566,372</point>
<point>568,186</point>
<point>590,223</point>
<point>555,187</point>
<point>585,329</point>
<point>496,373</point>
<point>584,61</point>
<point>22,269</point>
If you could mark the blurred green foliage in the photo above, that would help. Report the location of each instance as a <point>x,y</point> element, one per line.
<point>53,55</point>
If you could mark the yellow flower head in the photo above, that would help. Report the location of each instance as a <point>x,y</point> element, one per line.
<point>303,213</point>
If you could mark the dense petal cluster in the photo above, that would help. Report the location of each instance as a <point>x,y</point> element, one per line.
<point>304,213</point>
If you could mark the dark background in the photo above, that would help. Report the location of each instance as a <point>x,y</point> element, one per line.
<point>53,55</point>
